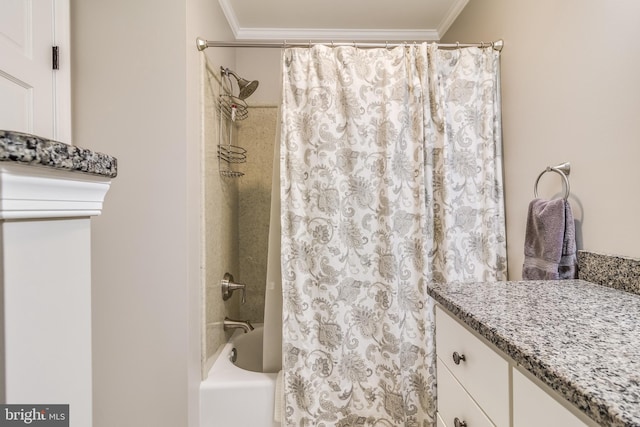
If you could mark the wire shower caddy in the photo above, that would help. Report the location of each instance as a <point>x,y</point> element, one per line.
<point>231,109</point>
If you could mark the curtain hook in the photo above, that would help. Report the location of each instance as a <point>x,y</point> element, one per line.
<point>332,43</point>
<point>309,44</point>
<point>457,45</point>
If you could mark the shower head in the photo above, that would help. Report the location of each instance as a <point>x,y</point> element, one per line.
<point>245,86</point>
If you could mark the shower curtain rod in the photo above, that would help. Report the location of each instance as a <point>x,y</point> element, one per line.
<point>202,44</point>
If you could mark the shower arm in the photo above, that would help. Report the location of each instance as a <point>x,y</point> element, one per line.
<point>245,87</point>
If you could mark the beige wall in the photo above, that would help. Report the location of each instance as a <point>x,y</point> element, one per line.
<point>136,81</point>
<point>263,65</point>
<point>570,92</point>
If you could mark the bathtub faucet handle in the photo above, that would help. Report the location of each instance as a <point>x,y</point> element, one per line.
<point>228,286</point>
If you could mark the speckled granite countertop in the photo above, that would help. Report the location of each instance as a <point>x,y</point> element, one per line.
<point>581,339</point>
<point>28,149</point>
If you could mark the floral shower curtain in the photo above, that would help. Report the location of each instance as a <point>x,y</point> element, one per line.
<point>390,178</point>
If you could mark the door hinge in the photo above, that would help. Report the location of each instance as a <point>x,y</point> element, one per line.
<point>55,64</point>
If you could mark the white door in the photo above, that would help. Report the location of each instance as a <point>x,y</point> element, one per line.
<point>33,97</point>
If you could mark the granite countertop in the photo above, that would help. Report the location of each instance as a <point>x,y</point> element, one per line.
<point>22,148</point>
<point>580,338</point>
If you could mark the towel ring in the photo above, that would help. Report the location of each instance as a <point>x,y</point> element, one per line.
<point>563,169</point>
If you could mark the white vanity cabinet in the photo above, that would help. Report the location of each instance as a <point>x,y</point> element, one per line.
<point>47,199</point>
<point>473,380</point>
<point>454,403</point>
<point>479,386</point>
<point>533,407</point>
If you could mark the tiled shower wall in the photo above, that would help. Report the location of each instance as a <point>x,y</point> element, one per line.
<point>257,135</point>
<point>221,227</point>
<point>236,216</point>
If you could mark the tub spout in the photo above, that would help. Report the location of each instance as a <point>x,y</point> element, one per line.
<point>245,325</point>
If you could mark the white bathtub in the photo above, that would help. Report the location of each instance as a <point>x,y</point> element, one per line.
<point>231,396</point>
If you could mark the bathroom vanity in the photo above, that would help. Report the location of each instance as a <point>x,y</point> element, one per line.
<point>537,353</point>
<point>49,191</point>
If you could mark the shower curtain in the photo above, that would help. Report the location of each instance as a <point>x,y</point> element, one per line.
<point>390,178</point>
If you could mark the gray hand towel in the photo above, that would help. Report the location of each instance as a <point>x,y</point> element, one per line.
<point>550,241</point>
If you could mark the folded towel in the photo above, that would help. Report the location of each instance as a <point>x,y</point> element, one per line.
<point>279,398</point>
<point>550,241</point>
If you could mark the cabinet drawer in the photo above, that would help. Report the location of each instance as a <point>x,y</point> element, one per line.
<point>533,407</point>
<point>483,373</point>
<point>454,402</point>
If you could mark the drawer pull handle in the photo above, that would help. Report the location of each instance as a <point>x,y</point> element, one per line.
<point>458,423</point>
<point>457,358</point>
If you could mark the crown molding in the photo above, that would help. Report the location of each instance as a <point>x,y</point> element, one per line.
<point>451,16</point>
<point>334,34</point>
<point>230,15</point>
